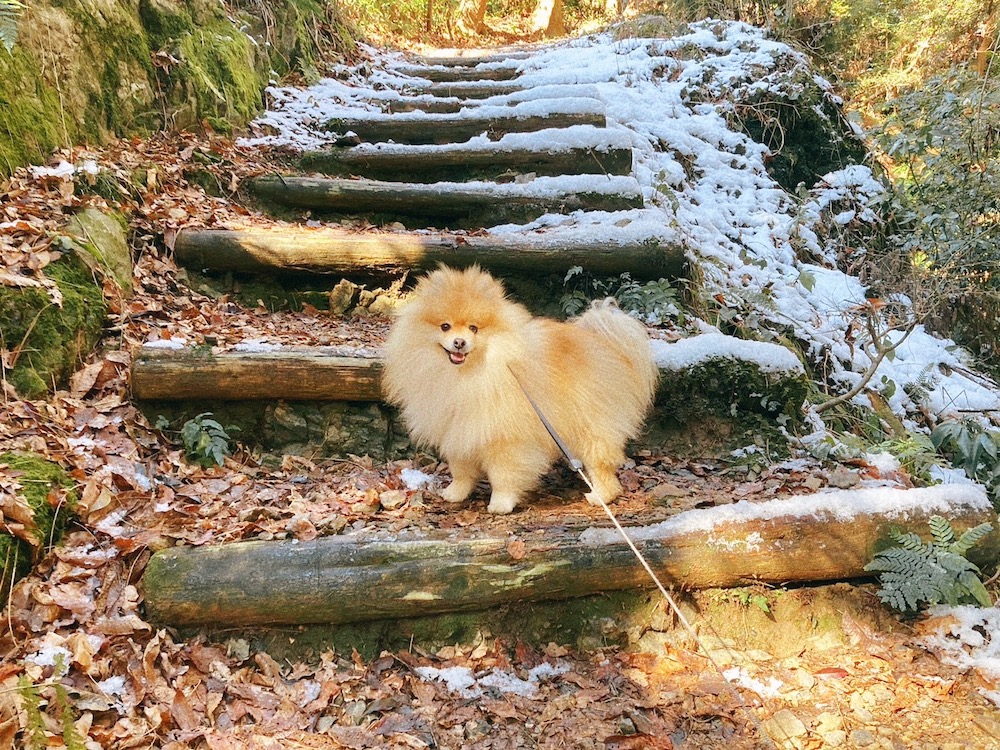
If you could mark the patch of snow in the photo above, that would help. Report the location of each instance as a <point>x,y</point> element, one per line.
<point>767,253</point>
<point>257,346</point>
<point>696,350</point>
<point>113,686</point>
<point>966,639</point>
<point>463,680</point>
<point>739,677</point>
<point>176,344</point>
<point>414,479</point>
<point>831,505</point>
<point>62,169</point>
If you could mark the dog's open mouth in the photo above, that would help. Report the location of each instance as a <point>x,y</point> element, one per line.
<point>456,358</point>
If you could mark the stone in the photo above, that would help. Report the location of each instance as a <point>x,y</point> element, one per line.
<point>862,738</point>
<point>342,297</point>
<point>786,728</point>
<point>102,243</point>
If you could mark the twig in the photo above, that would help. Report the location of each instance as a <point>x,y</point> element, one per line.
<point>868,375</point>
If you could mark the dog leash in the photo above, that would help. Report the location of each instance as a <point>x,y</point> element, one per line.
<point>577,466</point>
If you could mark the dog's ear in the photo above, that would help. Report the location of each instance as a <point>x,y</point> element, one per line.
<point>606,302</point>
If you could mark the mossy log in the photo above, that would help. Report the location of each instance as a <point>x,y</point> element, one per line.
<point>437,201</point>
<point>339,580</point>
<point>331,251</point>
<point>441,129</point>
<point>313,375</point>
<point>459,164</point>
<point>457,73</point>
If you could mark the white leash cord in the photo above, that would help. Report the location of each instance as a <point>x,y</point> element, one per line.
<point>577,466</point>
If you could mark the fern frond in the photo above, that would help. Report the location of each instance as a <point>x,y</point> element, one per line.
<point>941,532</point>
<point>971,538</point>
<point>907,540</point>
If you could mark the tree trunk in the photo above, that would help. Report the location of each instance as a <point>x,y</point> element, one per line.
<point>339,579</point>
<point>467,163</point>
<point>470,15</point>
<point>547,19</point>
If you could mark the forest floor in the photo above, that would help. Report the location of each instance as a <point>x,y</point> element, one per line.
<point>82,667</point>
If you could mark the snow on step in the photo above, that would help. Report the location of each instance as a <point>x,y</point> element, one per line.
<point>581,149</point>
<point>495,122</point>
<point>452,73</point>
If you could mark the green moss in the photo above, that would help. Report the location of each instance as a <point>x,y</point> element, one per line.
<point>217,76</point>
<point>725,404</point>
<point>588,623</point>
<point>51,341</point>
<point>29,113</point>
<point>82,72</point>
<point>39,480</point>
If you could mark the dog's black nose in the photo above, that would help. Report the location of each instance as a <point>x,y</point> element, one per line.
<point>459,344</point>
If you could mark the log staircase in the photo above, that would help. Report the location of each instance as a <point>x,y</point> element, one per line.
<point>423,163</point>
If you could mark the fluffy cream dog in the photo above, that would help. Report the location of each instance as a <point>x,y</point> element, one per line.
<point>450,364</point>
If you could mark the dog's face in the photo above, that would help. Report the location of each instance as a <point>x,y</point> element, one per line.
<point>459,310</point>
<point>458,339</point>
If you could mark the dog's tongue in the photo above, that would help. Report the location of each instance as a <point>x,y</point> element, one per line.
<point>456,358</point>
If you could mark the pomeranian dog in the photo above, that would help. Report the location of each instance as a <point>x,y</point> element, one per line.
<point>458,355</point>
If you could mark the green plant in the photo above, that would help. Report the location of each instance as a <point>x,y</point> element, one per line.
<point>941,144</point>
<point>973,448</point>
<point>10,12</point>
<point>917,573</point>
<point>654,302</point>
<point>205,441</point>
<point>52,695</point>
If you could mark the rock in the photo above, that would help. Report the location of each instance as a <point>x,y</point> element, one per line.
<point>786,729</point>
<point>383,304</point>
<point>843,478</point>
<point>101,241</point>
<point>862,738</point>
<point>342,297</point>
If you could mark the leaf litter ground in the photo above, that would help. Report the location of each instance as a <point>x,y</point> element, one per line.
<point>75,636</point>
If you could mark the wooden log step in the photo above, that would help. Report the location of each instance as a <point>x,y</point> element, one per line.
<point>449,201</point>
<point>432,164</point>
<point>334,251</point>
<point>314,374</point>
<point>460,58</point>
<point>395,102</point>
<point>457,74</point>
<point>470,90</point>
<point>826,537</point>
<point>420,128</point>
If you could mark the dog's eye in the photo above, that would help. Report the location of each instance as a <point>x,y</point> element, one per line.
<point>446,326</point>
<point>474,329</point>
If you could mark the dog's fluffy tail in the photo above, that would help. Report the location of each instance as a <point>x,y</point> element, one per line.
<point>627,338</point>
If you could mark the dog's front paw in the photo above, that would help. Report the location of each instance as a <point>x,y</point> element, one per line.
<point>455,493</point>
<point>502,504</point>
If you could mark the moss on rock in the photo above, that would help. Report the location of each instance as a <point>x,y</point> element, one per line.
<point>83,70</point>
<point>48,491</point>
<point>101,243</point>
<point>50,341</point>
